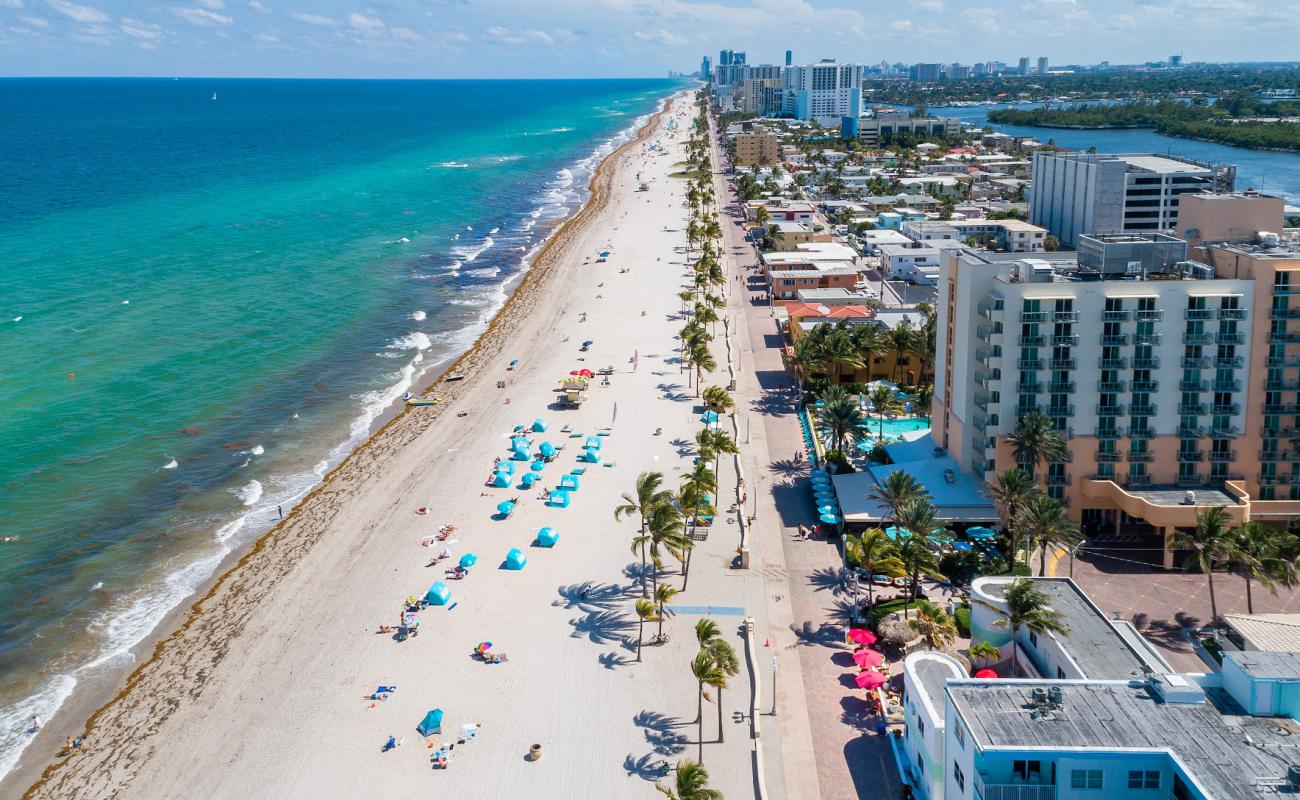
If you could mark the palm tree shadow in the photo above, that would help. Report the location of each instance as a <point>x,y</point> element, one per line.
<point>823,635</point>
<point>613,659</point>
<point>649,767</point>
<point>589,597</point>
<point>602,627</point>
<point>826,578</point>
<point>789,468</point>
<point>660,732</point>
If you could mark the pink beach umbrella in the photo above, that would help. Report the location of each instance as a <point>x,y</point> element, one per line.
<point>869,680</point>
<point>861,636</point>
<point>868,658</point>
<point>986,673</point>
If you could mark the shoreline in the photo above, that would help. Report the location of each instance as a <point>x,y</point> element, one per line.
<point>244,572</point>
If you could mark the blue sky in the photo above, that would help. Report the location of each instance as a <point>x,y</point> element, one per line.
<point>581,38</point>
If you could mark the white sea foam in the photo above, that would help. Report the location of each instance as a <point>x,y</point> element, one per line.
<point>469,252</point>
<point>257,450</point>
<point>18,319</point>
<point>486,272</point>
<point>249,493</point>
<point>454,164</point>
<point>493,232</point>
<point>98,585</point>
<point>171,464</point>
<point>418,316</point>
<point>416,340</point>
<point>15,720</point>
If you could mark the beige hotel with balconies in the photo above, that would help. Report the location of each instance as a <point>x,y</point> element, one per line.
<point>1172,375</point>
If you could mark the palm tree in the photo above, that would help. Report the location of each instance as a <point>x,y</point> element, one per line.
<point>647,496</point>
<point>1265,555</point>
<point>924,342</point>
<point>693,500</point>
<point>663,534</point>
<point>706,672</point>
<point>935,626</point>
<point>920,520</point>
<point>718,442</point>
<point>1214,544</point>
<point>842,420</point>
<point>1028,607</point>
<point>705,315</point>
<point>724,658</point>
<point>810,357</point>
<point>718,398</point>
<point>886,403</point>
<point>841,352</point>
<point>702,360</point>
<point>1045,524</point>
<point>663,596</point>
<point>874,552</point>
<point>761,216</point>
<point>983,651</point>
<point>897,491</point>
<point>692,783</point>
<point>686,296</point>
<point>900,341</point>
<point>1035,440</point>
<point>918,559</point>
<point>645,612</point>
<point>1011,491</point>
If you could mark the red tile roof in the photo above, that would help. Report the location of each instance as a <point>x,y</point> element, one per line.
<point>804,310</point>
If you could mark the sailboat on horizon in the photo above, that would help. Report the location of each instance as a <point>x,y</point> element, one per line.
<point>214,95</point>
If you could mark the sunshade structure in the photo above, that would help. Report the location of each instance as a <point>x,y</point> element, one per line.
<point>709,417</point>
<point>979,533</point>
<point>468,560</point>
<point>559,499</point>
<point>986,674</point>
<point>529,479</point>
<point>592,443</point>
<point>501,480</point>
<point>962,547</point>
<point>547,450</point>
<point>829,519</point>
<point>861,636</point>
<point>569,483</point>
<point>591,455</point>
<point>515,559</point>
<point>505,508</point>
<point>584,372</point>
<point>438,595</point>
<point>506,467</point>
<point>868,658</point>
<point>547,537</point>
<point>869,680</point>
<point>537,466</point>
<point>431,724</point>
<point>539,425</point>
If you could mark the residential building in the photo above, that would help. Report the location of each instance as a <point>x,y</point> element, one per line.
<point>1023,66</point>
<point>760,95</point>
<point>756,148</point>
<point>1272,633</point>
<point>925,72</point>
<point>1042,65</point>
<point>1106,717</point>
<point>781,210</point>
<point>788,236</point>
<point>888,125</point>
<point>789,55</point>
<point>1175,380</point>
<point>1012,235</point>
<point>1233,217</point>
<point>824,92</point>
<point>706,68</point>
<point>914,262</point>
<point>1077,193</point>
<point>787,284</point>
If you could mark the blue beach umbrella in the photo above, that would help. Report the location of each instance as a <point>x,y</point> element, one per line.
<point>547,450</point>
<point>431,724</point>
<point>505,507</point>
<point>537,466</point>
<point>539,426</point>
<point>980,532</point>
<point>529,479</point>
<point>515,559</point>
<point>506,467</point>
<point>438,595</point>
<point>501,480</point>
<point>830,519</point>
<point>468,560</point>
<point>963,547</point>
<point>547,537</point>
<point>559,499</point>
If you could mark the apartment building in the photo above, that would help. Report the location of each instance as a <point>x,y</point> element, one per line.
<point>1012,235</point>
<point>1175,382</point>
<point>1098,714</point>
<point>1078,193</point>
<point>760,95</point>
<point>824,92</point>
<point>756,148</point>
<point>889,125</point>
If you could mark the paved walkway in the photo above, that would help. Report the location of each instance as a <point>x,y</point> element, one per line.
<point>828,742</point>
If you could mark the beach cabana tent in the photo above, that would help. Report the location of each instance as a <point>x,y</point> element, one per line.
<point>515,559</point>
<point>709,417</point>
<point>468,560</point>
<point>591,455</point>
<point>539,426</point>
<point>547,537</point>
<point>438,594</point>
<point>537,466</point>
<point>431,724</point>
<point>559,499</point>
<point>529,479</point>
<point>501,480</point>
<point>547,450</point>
<point>569,483</point>
<point>592,443</point>
<point>505,508</point>
<point>506,467</point>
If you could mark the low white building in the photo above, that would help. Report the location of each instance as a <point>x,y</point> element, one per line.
<point>918,264</point>
<point>925,675</point>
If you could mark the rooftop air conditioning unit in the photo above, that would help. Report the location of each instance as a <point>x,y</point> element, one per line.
<point>1055,696</point>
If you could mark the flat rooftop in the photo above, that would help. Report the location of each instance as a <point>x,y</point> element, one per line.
<point>1231,755</point>
<point>1162,164</point>
<point>1176,495</point>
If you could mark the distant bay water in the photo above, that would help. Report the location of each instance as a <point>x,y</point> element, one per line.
<point>209,290</point>
<point>1267,171</point>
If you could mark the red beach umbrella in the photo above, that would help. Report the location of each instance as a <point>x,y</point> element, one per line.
<point>861,636</point>
<point>986,673</point>
<point>869,680</point>
<point>868,658</point>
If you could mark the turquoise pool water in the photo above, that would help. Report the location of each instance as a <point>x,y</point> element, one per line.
<point>895,428</point>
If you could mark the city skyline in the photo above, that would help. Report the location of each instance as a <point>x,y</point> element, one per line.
<point>605,38</point>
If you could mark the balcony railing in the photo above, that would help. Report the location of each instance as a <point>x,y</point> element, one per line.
<point>1035,316</point>
<point>1191,431</point>
<point>1029,388</point>
<point>1284,313</point>
<point>1227,386</point>
<point>1137,481</point>
<point>1232,409</point>
<point>1282,408</point>
<point>1033,341</point>
<point>1200,362</point>
<point>1148,338</point>
<point>1146,386</point>
<point>1223,456</point>
<point>986,311</point>
<point>1225,432</point>
<point>1141,457</point>
<point>1284,361</point>
<point>1142,410</point>
<point>1142,433</point>
<point>1201,313</point>
<point>1065,316</point>
<point>1146,363</point>
<point>1284,338</point>
<point>1277,455</point>
<point>1191,480</point>
<point>1282,386</point>
<point>1061,388</point>
<point>982,403</point>
<point>1280,433</point>
<point>1110,411</point>
<point>1193,386</point>
<point>1058,480</point>
<point>1229,362</point>
<point>1113,363</point>
<point>1029,363</point>
<point>1232,313</point>
<point>1192,409</point>
<point>1280,290</point>
<point>1112,386</point>
<point>1066,340</point>
<point>1114,340</point>
<point>1066,410</point>
<point>1149,315</point>
<point>1190,455</point>
<point>1198,338</point>
<point>1014,791</point>
<point>1237,338</point>
<point>1109,458</point>
<point>1116,316</point>
<point>1110,433</point>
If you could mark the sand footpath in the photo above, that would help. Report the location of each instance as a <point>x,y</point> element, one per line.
<point>262,691</point>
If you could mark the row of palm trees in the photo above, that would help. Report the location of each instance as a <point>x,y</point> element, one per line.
<point>831,350</point>
<point>666,517</point>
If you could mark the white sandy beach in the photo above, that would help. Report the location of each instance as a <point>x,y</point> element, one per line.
<point>261,692</point>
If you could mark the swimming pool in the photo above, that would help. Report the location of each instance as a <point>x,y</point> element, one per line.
<point>894,429</point>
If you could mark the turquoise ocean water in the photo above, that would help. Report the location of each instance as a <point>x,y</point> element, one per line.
<point>204,304</point>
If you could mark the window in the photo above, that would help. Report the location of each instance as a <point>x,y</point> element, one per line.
<point>920,725</point>
<point>1144,779</point>
<point>1085,779</point>
<point>958,776</point>
<point>1033,639</point>
<point>960,733</point>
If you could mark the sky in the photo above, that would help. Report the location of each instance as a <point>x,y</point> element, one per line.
<point>611,38</point>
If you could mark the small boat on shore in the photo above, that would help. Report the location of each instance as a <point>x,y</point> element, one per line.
<point>455,376</point>
<point>422,401</point>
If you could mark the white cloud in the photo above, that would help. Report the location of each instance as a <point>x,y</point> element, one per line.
<point>983,20</point>
<point>215,5</point>
<point>11,3</point>
<point>661,36</point>
<point>405,34</point>
<point>901,25</point>
<point>498,34</point>
<point>258,7</point>
<point>269,38</point>
<point>364,23</point>
<point>36,22</point>
<point>77,13</point>
<point>201,16</point>
<point>138,29</point>
<point>315,19</point>
<point>933,6</point>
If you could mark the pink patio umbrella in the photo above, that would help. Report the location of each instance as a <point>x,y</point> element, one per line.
<point>986,673</point>
<point>861,636</point>
<point>869,680</point>
<point>868,658</point>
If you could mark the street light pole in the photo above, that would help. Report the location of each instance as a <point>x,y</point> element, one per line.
<point>774,685</point>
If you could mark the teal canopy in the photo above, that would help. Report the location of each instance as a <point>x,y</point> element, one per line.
<point>438,594</point>
<point>468,560</point>
<point>547,537</point>
<point>515,559</point>
<point>431,724</point>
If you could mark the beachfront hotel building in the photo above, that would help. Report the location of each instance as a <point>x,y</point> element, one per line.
<point>823,92</point>
<point>1174,377</point>
<point>1077,193</point>
<point>1097,713</point>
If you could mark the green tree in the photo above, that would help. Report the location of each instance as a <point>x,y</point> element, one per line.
<point>1266,556</point>
<point>702,360</point>
<point>934,625</point>
<point>918,556</point>
<point>728,666</point>
<point>897,491</point>
<point>1212,543</point>
<point>692,783</point>
<point>706,673</point>
<point>1012,491</point>
<point>1027,607</point>
<point>1044,522</point>
<point>649,494</point>
<point>664,595</point>
<point>664,535</point>
<point>983,653</point>
<point>874,552</point>
<point>884,399</point>
<point>1035,440</point>
<point>842,420</point>
<point>694,502</point>
<point>718,399</point>
<point>645,612</point>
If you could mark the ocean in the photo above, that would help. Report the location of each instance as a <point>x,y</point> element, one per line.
<point>210,290</point>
